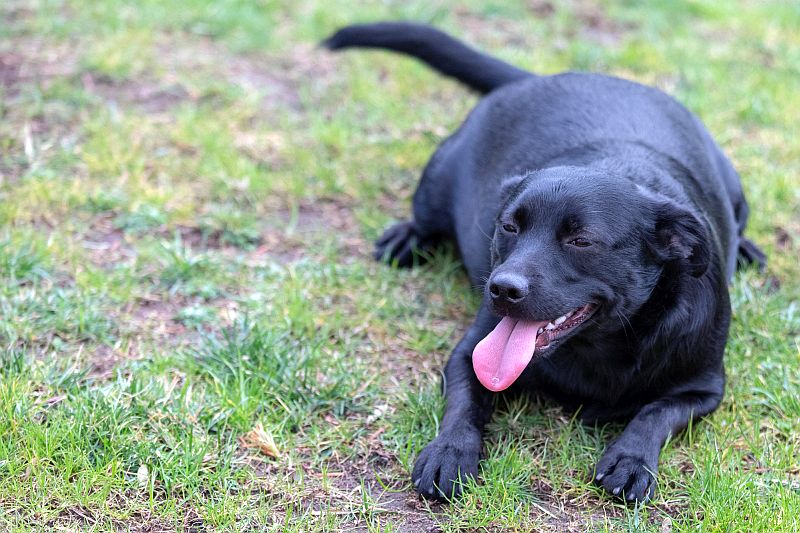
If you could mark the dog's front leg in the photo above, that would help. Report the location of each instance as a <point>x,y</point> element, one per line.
<point>629,465</point>
<point>454,453</point>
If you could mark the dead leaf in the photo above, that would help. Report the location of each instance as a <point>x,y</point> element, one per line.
<point>259,439</point>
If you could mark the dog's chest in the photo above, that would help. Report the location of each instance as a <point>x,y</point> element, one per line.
<point>600,376</point>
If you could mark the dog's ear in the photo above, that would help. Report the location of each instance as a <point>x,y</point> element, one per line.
<point>508,187</point>
<point>679,235</point>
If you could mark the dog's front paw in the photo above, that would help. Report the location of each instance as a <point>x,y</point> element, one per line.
<point>445,463</point>
<point>624,473</point>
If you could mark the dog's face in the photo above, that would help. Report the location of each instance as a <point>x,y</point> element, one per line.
<point>572,251</point>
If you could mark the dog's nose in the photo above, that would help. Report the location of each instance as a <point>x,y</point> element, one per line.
<point>508,286</point>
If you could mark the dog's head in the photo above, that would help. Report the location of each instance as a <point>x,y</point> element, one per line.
<point>577,251</point>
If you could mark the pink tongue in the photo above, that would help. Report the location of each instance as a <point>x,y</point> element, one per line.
<point>504,353</point>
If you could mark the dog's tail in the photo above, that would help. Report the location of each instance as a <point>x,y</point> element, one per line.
<point>442,52</point>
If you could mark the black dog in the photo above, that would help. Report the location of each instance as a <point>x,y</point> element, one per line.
<point>608,223</point>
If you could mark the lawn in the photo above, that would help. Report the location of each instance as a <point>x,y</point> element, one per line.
<point>193,335</point>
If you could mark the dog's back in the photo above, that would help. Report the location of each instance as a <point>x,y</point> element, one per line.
<point>545,117</point>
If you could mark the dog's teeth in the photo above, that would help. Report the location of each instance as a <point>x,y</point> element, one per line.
<point>550,326</point>
<point>560,320</point>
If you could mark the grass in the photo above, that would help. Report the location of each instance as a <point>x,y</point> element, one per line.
<point>187,200</point>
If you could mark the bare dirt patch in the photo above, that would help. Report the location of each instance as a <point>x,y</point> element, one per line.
<point>31,59</point>
<point>145,95</point>
<point>289,235</point>
<point>30,132</point>
<point>352,482</point>
<point>157,317</point>
<point>594,24</point>
<point>542,8</point>
<point>147,322</point>
<point>106,244</point>
<point>103,360</point>
<point>278,78</point>
<point>283,76</point>
<point>408,513</point>
<point>293,234</point>
<point>597,26</point>
<point>10,65</point>
<point>286,235</point>
<point>784,240</point>
<point>200,238</point>
<point>490,31</point>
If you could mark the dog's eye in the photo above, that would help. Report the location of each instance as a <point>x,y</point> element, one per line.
<point>580,242</point>
<point>510,228</point>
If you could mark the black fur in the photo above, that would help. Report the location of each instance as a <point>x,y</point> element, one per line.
<point>447,55</point>
<point>566,190</point>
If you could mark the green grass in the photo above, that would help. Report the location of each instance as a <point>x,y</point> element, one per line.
<point>187,199</point>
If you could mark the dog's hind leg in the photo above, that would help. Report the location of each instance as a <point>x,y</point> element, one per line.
<point>750,254</point>
<point>410,242</point>
<point>747,253</point>
<point>403,243</point>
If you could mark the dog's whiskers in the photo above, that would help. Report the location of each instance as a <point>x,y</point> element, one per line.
<point>623,320</point>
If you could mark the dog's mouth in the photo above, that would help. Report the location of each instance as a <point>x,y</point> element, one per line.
<point>503,354</point>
